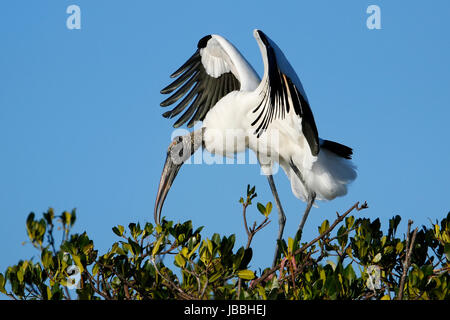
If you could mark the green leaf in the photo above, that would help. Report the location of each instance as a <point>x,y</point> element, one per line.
<point>20,274</point>
<point>88,248</point>
<point>248,253</point>
<point>377,258</point>
<point>332,264</point>
<point>148,228</point>
<point>290,245</point>
<point>49,216</point>
<point>349,222</point>
<point>447,251</point>
<point>399,247</point>
<point>214,277</point>
<point>193,250</point>
<point>383,241</point>
<point>216,239</point>
<point>322,275</point>
<point>30,218</point>
<point>181,238</point>
<point>157,245</point>
<point>118,230</point>
<point>246,274</point>
<point>135,247</point>
<point>350,274</point>
<point>324,227</point>
<point>73,217</point>
<point>184,252</point>
<point>49,293</point>
<point>180,261</point>
<point>238,258</point>
<point>46,258</point>
<point>393,224</point>
<point>77,261</point>
<point>261,208</point>
<point>268,208</point>
<point>210,246</point>
<point>204,253</point>
<point>2,284</point>
<point>251,191</point>
<point>342,236</point>
<point>25,265</point>
<point>95,269</point>
<point>66,217</point>
<point>388,249</point>
<point>437,233</point>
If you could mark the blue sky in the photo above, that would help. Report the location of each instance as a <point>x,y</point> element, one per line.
<point>81,126</point>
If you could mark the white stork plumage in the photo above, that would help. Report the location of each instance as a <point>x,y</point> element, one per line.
<point>220,88</point>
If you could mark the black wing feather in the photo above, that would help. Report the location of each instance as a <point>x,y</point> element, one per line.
<point>182,105</point>
<point>276,103</point>
<point>185,65</point>
<point>180,80</point>
<point>200,88</point>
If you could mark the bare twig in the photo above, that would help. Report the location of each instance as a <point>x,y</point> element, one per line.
<point>98,291</point>
<point>244,214</point>
<point>250,231</point>
<point>204,289</point>
<point>181,293</point>
<point>125,289</point>
<point>128,284</point>
<point>441,270</point>
<point>407,261</point>
<point>195,275</point>
<point>254,230</point>
<point>11,295</point>
<point>238,293</point>
<point>105,287</point>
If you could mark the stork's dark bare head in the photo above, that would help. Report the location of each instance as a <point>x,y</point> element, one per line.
<point>180,149</point>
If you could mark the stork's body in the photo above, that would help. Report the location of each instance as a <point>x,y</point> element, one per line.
<point>270,116</point>
<point>230,120</point>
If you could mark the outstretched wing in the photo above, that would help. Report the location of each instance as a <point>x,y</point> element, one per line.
<point>282,90</point>
<point>213,71</point>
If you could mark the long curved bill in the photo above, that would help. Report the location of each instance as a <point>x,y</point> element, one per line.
<point>168,175</point>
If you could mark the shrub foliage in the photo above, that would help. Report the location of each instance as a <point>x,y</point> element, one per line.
<point>350,258</point>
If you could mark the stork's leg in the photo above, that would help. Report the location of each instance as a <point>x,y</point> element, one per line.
<point>281,216</point>
<point>311,199</point>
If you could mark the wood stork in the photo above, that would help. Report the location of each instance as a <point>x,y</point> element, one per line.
<point>220,88</point>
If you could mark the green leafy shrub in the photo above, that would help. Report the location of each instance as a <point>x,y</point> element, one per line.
<point>351,258</point>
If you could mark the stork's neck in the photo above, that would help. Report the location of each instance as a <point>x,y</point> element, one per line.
<point>196,138</point>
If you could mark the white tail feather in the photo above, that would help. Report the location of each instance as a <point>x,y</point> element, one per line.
<point>328,177</point>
